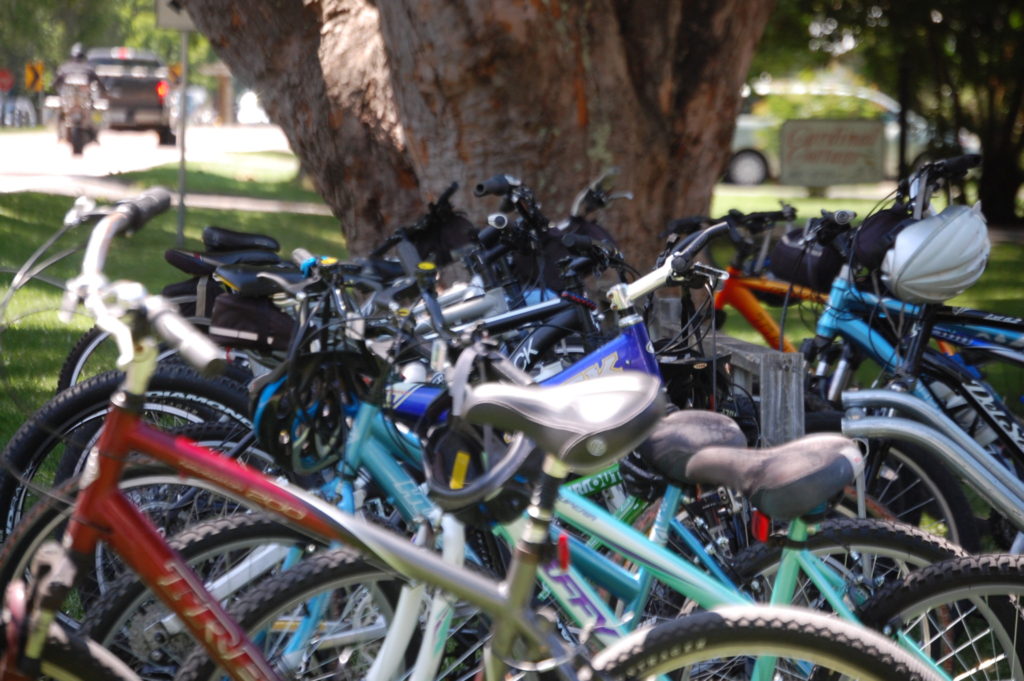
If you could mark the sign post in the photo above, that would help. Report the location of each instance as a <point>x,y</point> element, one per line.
<point>171,15</point>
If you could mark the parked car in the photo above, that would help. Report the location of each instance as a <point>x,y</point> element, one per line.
<point>767,105</point>
<point>137,85</point>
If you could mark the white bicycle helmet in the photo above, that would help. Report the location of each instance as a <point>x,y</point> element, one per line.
<point>938,258</point>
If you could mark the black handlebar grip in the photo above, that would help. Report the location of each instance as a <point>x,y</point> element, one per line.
<point>144,207</point>
<point>408,256</point>
<point>447,194</point>
<point>958,165</point>
<point>577,242</point>
<point>198,350</point>
<point>498,185</point>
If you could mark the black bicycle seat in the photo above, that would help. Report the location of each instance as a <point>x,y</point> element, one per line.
<point>587,424</point>
<point>785,482</point>
<point>220,239</point>
<point>201,264</point>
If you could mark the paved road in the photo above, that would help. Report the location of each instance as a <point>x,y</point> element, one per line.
<point>36,161</point>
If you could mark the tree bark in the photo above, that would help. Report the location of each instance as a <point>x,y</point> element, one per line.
<point>386,104</point>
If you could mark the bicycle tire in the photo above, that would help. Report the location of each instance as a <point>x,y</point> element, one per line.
<point>69,657</point>
<point>128,620</point>
<point>706,644</point>
<point>94,352</point>
<point>338,572</point>
<point>967,611</point>
<point>909,485</point>
<point>171,501</point>
<point>869,553</point>
<point>83,351</point>
<point>71,420</point>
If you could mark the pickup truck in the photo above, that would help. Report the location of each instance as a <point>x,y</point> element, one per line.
<point>137,85</point>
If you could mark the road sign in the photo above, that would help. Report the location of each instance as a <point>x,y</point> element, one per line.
<point>170,14</point>
<point>34,71</point>
<point>6,80</point>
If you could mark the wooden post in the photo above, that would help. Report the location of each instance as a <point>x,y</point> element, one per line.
<point>776,380</point>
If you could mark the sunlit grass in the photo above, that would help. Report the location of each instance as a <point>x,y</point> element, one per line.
<point>265,174</point>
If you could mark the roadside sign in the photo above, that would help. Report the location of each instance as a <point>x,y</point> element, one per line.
<point>170,14</point>
<point>34,71</point>
<point>823,152</point>
<point>6,80</point>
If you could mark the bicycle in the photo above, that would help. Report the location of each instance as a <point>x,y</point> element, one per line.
<point>630,406</point>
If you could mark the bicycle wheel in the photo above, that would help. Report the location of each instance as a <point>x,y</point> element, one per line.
<point>355,618</point>
<point>145,634</point>
<point>93,353</point>
<point>171,501</point>
<point>71,421</point>
<point>868,554</point>
<point>905,483</point>
<point>724,643</point>
<point>965,613</point>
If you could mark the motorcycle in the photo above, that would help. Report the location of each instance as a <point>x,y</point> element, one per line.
<point>80,112</point>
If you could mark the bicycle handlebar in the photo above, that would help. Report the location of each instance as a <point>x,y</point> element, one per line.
<point>956,166</point>
<point>128,216</point>
<point>676,266</point>
<point>198,350</point>
<point>499,185</point>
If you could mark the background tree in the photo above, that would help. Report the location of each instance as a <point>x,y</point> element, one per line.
<point>386,103</point>
<point>45,30</point>
<point>963,61</point>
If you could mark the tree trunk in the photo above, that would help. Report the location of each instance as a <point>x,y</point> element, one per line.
<point>321,74</point>
<point>998,187</point>
<point>387,109</point>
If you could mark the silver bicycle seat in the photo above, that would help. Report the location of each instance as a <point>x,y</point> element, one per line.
<point>588,425</point>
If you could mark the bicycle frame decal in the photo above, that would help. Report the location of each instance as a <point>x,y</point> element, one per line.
<point>982,398</point>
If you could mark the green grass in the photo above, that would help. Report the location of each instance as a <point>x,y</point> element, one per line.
<point>34,342</point>
<point>264,175</point>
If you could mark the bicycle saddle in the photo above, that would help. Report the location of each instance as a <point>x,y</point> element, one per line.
<point>681,434</point>
<point>200,264</point>
<point>220,239</point>
<point>785,482</point>
<point>588,424</point>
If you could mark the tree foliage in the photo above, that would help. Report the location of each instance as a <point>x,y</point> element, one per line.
<point>963,61</point>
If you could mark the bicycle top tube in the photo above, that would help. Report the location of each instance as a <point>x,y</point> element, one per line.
<point>631,350</point>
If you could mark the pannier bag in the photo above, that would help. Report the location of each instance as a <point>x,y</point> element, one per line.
<point>805,264</point>
<point>254,323</point>
<point>195,297</point>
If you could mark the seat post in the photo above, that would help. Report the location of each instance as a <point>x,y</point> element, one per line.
<point>531,547</point>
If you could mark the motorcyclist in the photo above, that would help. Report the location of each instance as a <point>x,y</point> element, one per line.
<point>77,70</point>
<point>75,65</point>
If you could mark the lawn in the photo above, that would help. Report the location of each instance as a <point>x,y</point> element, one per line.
<point>263,175</point>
